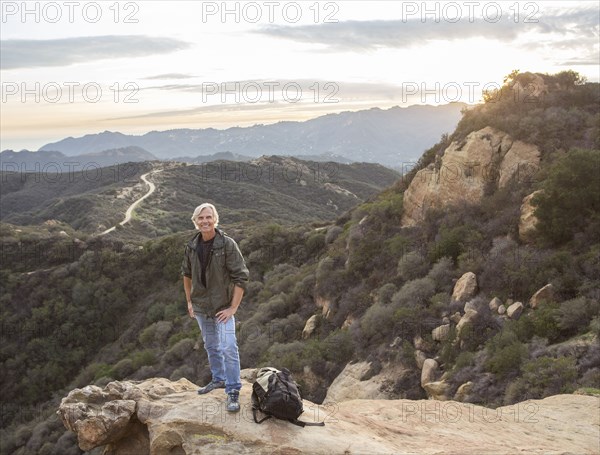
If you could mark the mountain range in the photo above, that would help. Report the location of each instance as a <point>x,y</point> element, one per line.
<point>386,136</point>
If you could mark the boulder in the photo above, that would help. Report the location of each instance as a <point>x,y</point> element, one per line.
<point>462,391</point>
<point>527,219</point>
<point>456,317</point>
<point>429,371</point>
<point>545,294</point>
<point>419,343</point>
<point>171,418</point>
<point>465,288</point>
<point>463,327</point>
<point>420,358</point>
<point>441,333</point>
<point>514,311</point>
<point>495,304</point>
<point>309,327</point>
<point>501,309</point>
<point>437,390</point>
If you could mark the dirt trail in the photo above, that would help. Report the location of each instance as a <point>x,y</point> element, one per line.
<point>132,207</point>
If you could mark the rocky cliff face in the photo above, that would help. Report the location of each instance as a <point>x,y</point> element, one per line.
<point>159,417</point>
<point>487,157</point>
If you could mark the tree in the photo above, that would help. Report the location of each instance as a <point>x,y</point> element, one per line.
<point>570,200</point>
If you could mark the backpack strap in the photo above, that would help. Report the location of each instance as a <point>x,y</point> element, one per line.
<point>302,424</point>
<point>261,420</point>
<point>256,408</point>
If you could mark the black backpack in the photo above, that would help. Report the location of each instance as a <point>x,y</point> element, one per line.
<point>275,394</point>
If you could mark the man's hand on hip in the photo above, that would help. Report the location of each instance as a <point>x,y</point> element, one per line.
<point>224,315</point>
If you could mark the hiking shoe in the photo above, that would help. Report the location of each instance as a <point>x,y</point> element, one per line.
<point>212,385</point>
<point>233,402</point>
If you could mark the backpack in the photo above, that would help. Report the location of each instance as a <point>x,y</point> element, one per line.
<point>275,394</point>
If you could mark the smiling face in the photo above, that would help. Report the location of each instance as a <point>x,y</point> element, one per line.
<point>205,222</point>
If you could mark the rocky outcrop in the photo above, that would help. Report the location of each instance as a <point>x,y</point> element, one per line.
<point>325,305</point>
<point>527,219</point>
<point>309,327</point>
<point>441,333</point>
<point>545,294</point>
<point>171,418</point>
<point>485,157</point>
<point>465,287</point>
<point>362,380</point>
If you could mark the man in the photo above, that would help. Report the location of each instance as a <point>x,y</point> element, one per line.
<point>214,279</point>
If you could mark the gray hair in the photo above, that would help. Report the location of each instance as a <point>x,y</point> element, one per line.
<point>201,207</point>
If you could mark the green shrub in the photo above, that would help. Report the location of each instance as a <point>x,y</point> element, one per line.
<point>543,377</point>
<point>385,293</point>
<point>545,321</point>
<point>570,200</point>
<point>377,322</point>
<point>505,354</point>
<point>575,315</point>
<point>412,265</point>
<point>123,368</point>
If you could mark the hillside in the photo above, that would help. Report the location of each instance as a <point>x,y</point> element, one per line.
<point>389,137</point>
<point>457,304</point>
<point>56,162</point>
<point>286,190</point>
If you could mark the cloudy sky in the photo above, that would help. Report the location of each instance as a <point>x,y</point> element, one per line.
<point>74,68</point>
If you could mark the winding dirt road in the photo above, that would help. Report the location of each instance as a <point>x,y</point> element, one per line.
<point>132,207</point>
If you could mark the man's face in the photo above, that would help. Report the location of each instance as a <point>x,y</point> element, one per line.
<point>205,220</point>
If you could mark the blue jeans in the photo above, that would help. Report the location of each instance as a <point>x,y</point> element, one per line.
<point>221,346</point>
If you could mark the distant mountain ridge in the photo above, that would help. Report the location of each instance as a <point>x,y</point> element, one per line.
<point>54,161</point>
<point>389,136</point>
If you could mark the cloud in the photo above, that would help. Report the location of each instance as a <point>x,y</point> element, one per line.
<point>262,89</point>
<point>369,35</point>
<point>347,94</point>
<point>170,76</point>
<point>23,53</point>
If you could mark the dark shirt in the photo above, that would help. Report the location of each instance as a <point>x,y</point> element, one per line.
<point>204,249</point>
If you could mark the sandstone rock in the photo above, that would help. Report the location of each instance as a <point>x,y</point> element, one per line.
<point>441,333</point>
<point>463,391</point>
<point>348,385</point>
<point>420,358</point>
<point>495,304</point>
<point>171,418</point>
<point>501,309</point>
<point>527,219</point>
<point>544,294</point>
<point>429,371</point>
<point>419,343</point>
<point>309,327</point>
<point>464,170</point>
<point>348,322</point>
<point>326,306</point>
<point>437,390</point>
<point>465,324</point>
<point>514,311</point>
<point>456,317</point>
<point>465,287</point>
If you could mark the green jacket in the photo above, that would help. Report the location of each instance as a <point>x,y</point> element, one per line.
<point>226,268</point>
